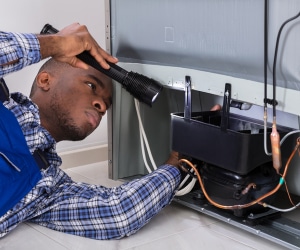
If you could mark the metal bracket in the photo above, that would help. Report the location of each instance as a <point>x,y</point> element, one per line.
<point>226,107</point>
<point>188,98</point>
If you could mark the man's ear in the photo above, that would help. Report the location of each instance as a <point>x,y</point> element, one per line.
<point>43,80</point>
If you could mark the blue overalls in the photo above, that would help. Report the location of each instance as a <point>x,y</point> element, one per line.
<point>19,170</point>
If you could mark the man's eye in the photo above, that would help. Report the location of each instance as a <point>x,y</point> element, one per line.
<point>91,85</point>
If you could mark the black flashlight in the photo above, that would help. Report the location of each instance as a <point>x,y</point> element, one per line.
<point>141,87</point>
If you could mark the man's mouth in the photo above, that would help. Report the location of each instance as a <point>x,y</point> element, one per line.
<point>94,118</point>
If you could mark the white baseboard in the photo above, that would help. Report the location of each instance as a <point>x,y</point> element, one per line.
<point>79,157</point>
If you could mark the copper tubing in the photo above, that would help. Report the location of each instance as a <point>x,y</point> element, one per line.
<point>257,201</point>
<point>275,144</point>
<point>246,190</point>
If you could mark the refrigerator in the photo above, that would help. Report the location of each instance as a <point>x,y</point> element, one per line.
<point>214,44</point>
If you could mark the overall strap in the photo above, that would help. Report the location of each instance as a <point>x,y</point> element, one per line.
<point>38,154</point>
<point>4,93</point>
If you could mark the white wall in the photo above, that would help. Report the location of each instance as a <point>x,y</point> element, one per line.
<point>30,16</point>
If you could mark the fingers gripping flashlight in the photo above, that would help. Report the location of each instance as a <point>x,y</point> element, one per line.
<point>141,87</point>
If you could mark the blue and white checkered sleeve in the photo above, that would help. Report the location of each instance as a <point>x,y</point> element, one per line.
<point>102,213</point>
<point>22,49</point>
<point>139,201</point>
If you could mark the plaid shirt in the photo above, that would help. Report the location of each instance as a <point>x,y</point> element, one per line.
<point>56,201</point>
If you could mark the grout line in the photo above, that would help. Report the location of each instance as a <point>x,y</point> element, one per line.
<point>76,173</point>
<point>34,228</point>
<point>76,158</point>
<point>175,234</point>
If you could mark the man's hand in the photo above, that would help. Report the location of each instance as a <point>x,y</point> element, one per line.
<point>216,107</point>
<point>71,41</point>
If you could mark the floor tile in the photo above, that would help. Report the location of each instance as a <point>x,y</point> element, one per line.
<point>25,237</point>
<point>95,173</point>
<point>192,239</point>
<point>244,237</point>
<point>174,219</point>
<point>74,242</point>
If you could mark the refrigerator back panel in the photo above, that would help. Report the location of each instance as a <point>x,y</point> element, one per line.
<point>213,41</point>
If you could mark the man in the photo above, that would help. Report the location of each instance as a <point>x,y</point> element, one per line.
<point>67,101</point>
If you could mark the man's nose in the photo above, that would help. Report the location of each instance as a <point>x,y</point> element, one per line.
<point>100,105</point>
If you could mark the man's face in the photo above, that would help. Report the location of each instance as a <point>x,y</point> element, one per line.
<point>78,100</point>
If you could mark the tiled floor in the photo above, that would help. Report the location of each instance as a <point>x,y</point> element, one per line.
<point>176,227</point>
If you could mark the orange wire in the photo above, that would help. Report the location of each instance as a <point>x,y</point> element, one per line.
<point>257,201</point>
